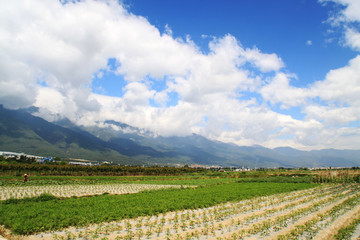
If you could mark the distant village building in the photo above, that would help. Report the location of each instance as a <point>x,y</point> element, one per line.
<point>81,163</point>
<point>243,169</point>
<point>9,154</point>
<point>38,159</point>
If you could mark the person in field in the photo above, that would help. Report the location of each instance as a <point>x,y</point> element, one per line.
<point>26,177</point>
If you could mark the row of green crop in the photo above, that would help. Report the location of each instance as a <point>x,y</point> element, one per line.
<point>29,216</point>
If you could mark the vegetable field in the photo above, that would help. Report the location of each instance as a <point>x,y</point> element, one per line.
<point>323,205</point>
<point>323,212</point>
<point>19,192</point>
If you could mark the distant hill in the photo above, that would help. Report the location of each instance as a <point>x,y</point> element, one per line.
<point>20,131</point>
<point>23,132</point>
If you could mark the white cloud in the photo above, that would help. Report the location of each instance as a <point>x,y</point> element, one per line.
<point>351,10</point>
<point>52,51</point>
<point>341,86</point>
<point>265,62</point>
<point>217,72</point>
<point>168,30</point>
<point>309,42</point>
<point>137,96</point>
<point>51,99</point>
<point>333,116</point>
<point>339,99</point>
<point>280,91</point>
<point>346,19</point>
<point>352,37</point>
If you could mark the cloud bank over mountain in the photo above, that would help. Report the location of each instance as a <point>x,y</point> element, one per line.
<point>57,54</point>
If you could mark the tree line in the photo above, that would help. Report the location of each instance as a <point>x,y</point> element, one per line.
<point>52,169</point>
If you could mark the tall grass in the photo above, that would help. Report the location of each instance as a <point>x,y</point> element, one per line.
<point>337,176</point>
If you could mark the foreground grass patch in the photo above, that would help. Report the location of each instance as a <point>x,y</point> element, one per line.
<point>26,217</point>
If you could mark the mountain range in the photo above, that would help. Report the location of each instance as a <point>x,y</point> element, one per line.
<point>21,131</point>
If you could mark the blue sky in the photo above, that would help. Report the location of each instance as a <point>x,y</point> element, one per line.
<point>297,31</point>
<point>282,27</point>
<point>271,73</point>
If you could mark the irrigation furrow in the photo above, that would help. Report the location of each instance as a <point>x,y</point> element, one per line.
<point>339,223</point>
<point>356,234</point>
<point>305,221</point>
<point>272,220</point>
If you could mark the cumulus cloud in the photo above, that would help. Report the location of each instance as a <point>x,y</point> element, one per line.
<point>352,37</point>
<point>52,51</point>
<point>265,62</point>
<point>349,13</point>
<point>348,18</point>
<point>279,90</point>
<point>329,105</point>
<point>341,86</point>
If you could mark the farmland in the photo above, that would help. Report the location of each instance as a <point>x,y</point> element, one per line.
<point>64,191</point>
<point>182,207</point>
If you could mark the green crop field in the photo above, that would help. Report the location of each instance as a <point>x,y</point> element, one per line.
<point>38,214</point>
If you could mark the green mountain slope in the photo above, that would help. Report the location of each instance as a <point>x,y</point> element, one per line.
<point>22,132</point>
